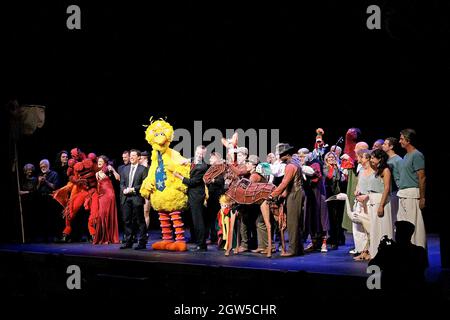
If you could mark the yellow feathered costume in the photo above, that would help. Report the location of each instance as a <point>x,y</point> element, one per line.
<point>166,192</point>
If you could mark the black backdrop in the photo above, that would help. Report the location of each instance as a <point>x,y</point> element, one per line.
<point>289,66</point>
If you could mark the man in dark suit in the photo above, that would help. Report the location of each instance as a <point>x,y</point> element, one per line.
<point>196,196</point>
<point>132,203</point>
<point>126,163</point>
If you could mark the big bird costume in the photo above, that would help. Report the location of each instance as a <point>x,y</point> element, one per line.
<point>167,193</point>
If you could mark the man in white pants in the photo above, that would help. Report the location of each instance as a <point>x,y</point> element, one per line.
<point>411,192</point>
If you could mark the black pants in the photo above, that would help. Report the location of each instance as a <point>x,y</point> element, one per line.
<point>133,216</point>
<point>248,215</point>
<point>197,211</point>
<point>48,220</point>
<point>30,217</point>
<point>211,217</point>
<point>335,211</point>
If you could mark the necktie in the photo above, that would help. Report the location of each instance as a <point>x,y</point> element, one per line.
<point>131,177</point>
<point>160,175</point>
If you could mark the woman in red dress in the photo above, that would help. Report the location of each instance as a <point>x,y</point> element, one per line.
<point>107,230</point>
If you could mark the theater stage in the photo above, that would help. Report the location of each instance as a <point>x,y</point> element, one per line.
<point>40,270</point>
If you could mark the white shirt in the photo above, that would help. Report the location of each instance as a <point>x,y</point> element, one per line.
<point>133,169</point>
<point>277,168</point>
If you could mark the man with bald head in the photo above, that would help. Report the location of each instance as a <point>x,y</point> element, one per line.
<point>378,144</point>
<point>361,146</point>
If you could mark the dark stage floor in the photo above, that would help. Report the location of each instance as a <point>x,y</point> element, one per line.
<point>38,272</point>
<point>335,262</point>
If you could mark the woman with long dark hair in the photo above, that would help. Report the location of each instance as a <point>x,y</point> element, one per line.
<point>332,174</point>
<point>379,200</point>
<point>106,227</point>
<point>61,166</point>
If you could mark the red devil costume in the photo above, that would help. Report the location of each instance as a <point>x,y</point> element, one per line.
<point>80,191</point>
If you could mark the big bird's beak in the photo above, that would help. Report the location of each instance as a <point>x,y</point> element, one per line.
<point>161,140</point>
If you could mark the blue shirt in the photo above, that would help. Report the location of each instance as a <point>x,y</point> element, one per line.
<point>411,163</point>
<point>376,184</point>
<point>363,183</point>
<point>394,164</point>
